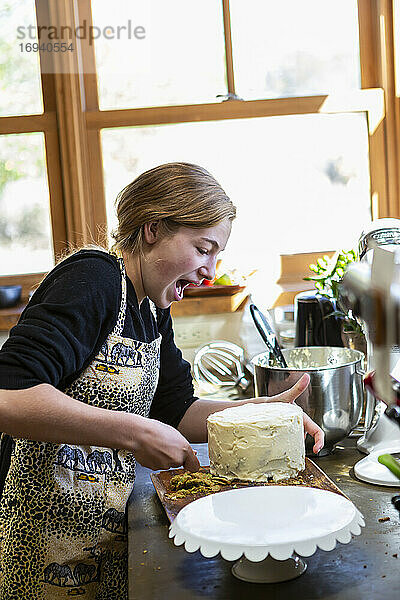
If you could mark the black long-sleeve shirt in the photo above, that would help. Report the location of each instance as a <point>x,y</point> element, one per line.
<point>68,319</point>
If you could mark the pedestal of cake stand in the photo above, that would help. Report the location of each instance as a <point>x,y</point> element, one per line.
<point>266,528</point>
<point>269,570</point>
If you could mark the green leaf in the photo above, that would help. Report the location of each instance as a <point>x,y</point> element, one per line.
<point>329,273</point>
<point>315,278</point>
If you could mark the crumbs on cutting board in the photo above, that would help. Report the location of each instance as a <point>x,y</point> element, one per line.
<point>194,483</point>
<point>203,482</point>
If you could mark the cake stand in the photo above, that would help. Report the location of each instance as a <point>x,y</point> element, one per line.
<point>266,528</point>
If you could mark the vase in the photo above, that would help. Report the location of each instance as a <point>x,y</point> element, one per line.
<point>355,340</point>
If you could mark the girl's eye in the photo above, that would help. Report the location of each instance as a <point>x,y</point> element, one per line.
<point>202,251</point>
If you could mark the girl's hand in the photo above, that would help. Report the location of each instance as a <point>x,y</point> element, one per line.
<point>160,446</point>
<point>290,395</point>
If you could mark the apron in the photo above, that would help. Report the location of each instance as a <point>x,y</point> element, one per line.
<point>62,514</point>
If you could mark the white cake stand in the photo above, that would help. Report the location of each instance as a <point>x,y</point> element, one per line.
<point>265,526</point>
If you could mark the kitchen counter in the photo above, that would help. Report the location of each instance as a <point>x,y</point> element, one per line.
<point>366,568</point>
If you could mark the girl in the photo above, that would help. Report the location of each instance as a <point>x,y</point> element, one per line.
<point>90,380</point>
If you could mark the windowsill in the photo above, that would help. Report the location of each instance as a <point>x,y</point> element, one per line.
<point>188,306</point>
<point>9,316</point>
<point>209,305</point>
<point>279,291</point>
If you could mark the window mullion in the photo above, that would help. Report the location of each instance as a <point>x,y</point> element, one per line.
<point>52,147</point>
<point>228,48</point>
<point>69,101</point>
<point>357,101</point>
<point>57,209</point>
<point>28,123</point>
<point>389,85</point>
<point>96,179</point>
<point>377,70</point>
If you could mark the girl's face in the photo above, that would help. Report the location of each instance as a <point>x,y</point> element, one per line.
<point>170,263</point>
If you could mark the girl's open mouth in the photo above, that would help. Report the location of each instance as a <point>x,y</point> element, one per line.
<point>179,288</point>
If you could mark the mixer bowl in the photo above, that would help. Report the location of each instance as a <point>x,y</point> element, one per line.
<point>333,399</point>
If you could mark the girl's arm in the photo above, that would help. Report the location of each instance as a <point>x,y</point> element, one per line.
<point>43,413</point>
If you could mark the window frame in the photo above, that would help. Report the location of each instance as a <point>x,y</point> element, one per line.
<point>72,122</point>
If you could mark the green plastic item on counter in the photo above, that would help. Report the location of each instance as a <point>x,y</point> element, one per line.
<point>391,463</point>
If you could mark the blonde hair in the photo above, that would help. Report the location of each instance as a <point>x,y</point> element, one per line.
<point>174,194</point>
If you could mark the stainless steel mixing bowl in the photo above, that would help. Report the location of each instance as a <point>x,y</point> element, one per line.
<point>334,397</point>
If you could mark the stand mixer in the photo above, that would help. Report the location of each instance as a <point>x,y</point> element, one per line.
<point>371,289</point>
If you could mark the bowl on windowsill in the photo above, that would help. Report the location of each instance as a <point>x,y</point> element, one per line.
<point>10,295</point>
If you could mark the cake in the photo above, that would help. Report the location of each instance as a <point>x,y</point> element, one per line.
<point>257,442</point>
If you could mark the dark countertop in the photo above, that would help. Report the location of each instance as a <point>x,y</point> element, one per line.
<point>363,569</point>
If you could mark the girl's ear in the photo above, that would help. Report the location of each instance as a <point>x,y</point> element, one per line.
<point>151,232</point>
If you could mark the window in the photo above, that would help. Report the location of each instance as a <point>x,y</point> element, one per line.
<point>177,58</point>
<point>301,183</point>
<point>292,48</point>
<point>32,224</point>
<point>290,105</point>
<point>25,234</point>
<point>20,87</point>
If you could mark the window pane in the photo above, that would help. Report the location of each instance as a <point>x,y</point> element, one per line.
<point>20,86</point>
<point>180,59</point>
<point>25,232</point>
<point>300,183</point>
<point>293,48</point>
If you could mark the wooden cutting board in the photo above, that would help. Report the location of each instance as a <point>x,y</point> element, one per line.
<point>312,476</point>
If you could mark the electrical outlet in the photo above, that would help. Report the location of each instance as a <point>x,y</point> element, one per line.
<point>192,335</point>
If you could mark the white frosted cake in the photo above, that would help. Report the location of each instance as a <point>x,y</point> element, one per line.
<point>257,442</point>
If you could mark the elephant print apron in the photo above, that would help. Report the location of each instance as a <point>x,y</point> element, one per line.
<point>62,513</point>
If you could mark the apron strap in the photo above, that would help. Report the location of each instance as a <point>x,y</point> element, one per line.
<point>6,448</point>
<point>118,329</point>
<point>153,309</point>
<point>119,326</point>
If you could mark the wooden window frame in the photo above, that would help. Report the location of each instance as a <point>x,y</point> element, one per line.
<point>72,122</point>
